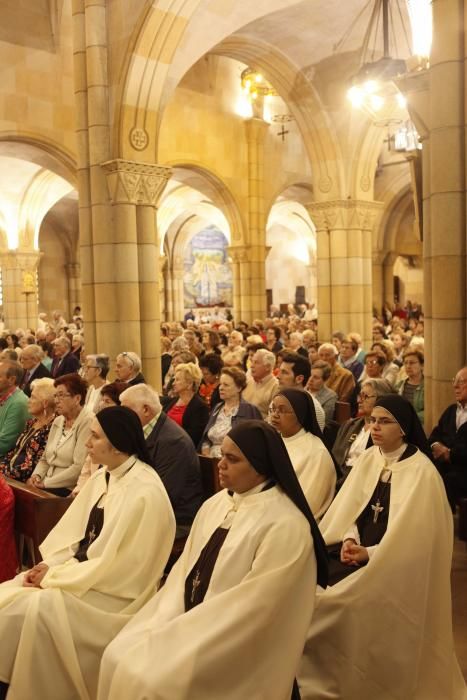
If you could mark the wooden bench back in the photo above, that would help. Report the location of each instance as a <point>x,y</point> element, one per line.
<point>342,412</point>
<point>36,512</point>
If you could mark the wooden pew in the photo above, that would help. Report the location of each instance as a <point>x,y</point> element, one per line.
<point>209,475</point>
<point>342,412</point>
<point>36,512</point>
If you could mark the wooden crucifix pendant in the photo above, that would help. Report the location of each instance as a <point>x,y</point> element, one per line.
<point>377,509</point>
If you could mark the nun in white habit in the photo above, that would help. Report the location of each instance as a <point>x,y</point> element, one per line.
<point>101,563</point>
<point>231,619</point>
<point>292,413</point>
<point>384,630</point>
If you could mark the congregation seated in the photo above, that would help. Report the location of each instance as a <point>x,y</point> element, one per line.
<point>171,453</point>
<point>8,558</point>
<point>13,405</point>
<point>187,408</point>
<point>316,386</point>
<point>19,462</point>
<point>231,409</point>
<point>295,344</point>
<point>57,618</point>
<point>244,583</point>
<point>383,530</point>
<point>412,388</point>
<point>295,371</point>
<point>95,371</point>
<point>64,361</point>
<point>211,366</point>
<point>448,442</point>
<point>292,414</point>
<point>340,380</point>
<point>166,357</point>
<point>128,369</point>
<point>353,436</point>
<point>63,458</point>
<point>273,337</point>
<point>31,362</point>
<point>261,385</point>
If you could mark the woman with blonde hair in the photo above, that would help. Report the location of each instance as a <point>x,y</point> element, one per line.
<point>188,408</point>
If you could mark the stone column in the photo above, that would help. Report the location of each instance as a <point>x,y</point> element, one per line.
<point>445,242</point>
<point>378,296</point>
<point>128,277</point>
<point>388,277</point>
<point>20,294</point>
<point>178,293</point>
<point>235,262</point>
<point>253,271</point>
<point>163,287</point>
<point>73,273</point>
<point>344,247</point>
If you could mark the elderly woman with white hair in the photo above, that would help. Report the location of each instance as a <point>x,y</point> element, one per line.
<point>21,460</point>
<point>188,408</point>
<point>96,369</point>
<point>296,343</point>
<point>128,369</point>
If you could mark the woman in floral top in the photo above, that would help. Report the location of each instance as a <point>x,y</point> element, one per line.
<point>20,461</point>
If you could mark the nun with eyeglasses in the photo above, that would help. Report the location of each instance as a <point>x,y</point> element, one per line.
<point>383,629</point>
<point>101,564</point>
<point>231,620</point>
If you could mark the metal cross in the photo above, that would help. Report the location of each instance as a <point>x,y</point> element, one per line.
<point>377,509</point>
<point>282,133</point>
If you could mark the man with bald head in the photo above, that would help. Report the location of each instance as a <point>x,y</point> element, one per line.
<point>448,442</point>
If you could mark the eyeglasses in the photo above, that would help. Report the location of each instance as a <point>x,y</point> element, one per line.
<point>382,421</point>
<point>279,410</point>
<point>371,362</point>
<point>59,397</point>
<point>364,396</point>
<point>127,355</point>
<point>459,382</point>
<point>91,367</point>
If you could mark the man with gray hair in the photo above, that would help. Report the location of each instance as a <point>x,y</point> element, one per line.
<point>13,405</point>
<point>64,361</point>
<point>340,380</point>
<point>262,385</point>
<point>31,362</point>
<point>172,454</point>
<point>128,368</point>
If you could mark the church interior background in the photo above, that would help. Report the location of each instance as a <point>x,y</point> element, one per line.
<point>160,154</point>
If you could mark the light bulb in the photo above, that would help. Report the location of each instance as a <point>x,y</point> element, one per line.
<point>370,87</point>
<point>376,102</point>
<point>356,96</point>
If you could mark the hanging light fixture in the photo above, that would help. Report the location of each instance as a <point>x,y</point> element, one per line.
<point>373,86</point>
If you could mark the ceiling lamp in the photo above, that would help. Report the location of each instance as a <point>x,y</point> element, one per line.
<point>373,86</point>
<point>257,91</point>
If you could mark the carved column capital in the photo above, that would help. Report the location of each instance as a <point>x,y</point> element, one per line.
<point>130,182</point>
<point>345,214</point>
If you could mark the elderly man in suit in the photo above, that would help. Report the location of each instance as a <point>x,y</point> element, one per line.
<point>172,453</point>
<point>64,361</point>
<point>128,369</point>
<point>448,442</point>
<point>31,362</point>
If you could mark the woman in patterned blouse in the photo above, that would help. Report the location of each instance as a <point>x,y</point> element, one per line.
<point>20,461</point>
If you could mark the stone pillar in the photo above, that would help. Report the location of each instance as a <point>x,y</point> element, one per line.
<point>73,273</point>
<point>388,277</point>
<point>235,256</point>
<point>127,280</point>
<point>253,271</point>
<point>20,294</point>
<point>163,287</point>
<point>378,295</point>
<point>344,247</point>
<point>178,291</point>
<point>445,234</point>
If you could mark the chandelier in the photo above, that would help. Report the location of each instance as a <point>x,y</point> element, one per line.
<point>255,86</point>
<point>373,86</point>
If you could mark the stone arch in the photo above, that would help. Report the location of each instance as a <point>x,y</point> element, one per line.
<point>44,152</point>
<point>214,188</point>
<point>161,51</point>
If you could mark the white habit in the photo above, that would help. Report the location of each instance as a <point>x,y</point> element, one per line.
<point>245,639</point>
<point>385,631</point>
<point>315,470</point>
<point>53,637</point>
